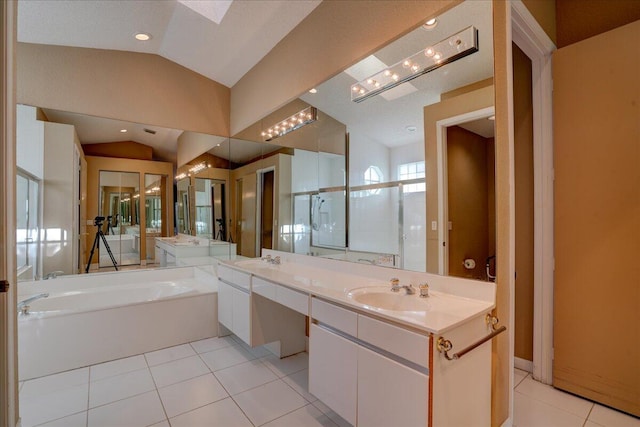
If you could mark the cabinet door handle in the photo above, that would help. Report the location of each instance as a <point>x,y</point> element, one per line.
<point>4,286</point>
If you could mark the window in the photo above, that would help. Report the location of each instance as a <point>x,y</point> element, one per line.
<point>410,171</point>
<point>373,175</point>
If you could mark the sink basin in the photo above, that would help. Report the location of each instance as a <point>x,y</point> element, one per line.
<point>381,297</point>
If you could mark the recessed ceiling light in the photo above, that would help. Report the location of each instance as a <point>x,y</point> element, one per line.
<point>123,130</point>
<point>430,24</point>
<point>313,90</point>
<point>411,128</point>
<point>143,37</point>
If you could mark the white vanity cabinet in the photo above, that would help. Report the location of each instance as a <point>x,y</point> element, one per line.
<point>355,368</point>
<point>333,374</point>
<point>234,302</point>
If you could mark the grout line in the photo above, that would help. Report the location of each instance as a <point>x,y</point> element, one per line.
<point>88,396</point>
<point>56,419</point>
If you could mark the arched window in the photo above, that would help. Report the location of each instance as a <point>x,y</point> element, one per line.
<point>373,175</point>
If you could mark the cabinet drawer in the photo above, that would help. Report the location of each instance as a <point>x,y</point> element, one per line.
<point>225,273</point>
<point>406,344</point>
<point>295,300</point>
<point>334,316</point>
<point>264,288</point>
<point>241,279</point>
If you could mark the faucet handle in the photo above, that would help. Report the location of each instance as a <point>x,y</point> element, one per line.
<point>424,290</point>
<point>395,284</point>
<point>277,260</point>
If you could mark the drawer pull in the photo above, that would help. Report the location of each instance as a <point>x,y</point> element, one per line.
<point>445,346</point>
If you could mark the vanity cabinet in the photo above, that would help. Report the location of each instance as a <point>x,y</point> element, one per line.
<point>234,302</point>
<point>369,372</point>
<point>333,374</point>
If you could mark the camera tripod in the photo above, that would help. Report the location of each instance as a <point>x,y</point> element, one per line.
<point>96,244</point>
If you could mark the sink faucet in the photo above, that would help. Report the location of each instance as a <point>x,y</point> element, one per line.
<point>52,275</point>
<point>395,286</point>
<point>271,260</point>
<point>23,306</point>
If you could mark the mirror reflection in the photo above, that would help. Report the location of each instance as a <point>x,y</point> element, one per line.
<point>118,204</point>
<point>371,182</point>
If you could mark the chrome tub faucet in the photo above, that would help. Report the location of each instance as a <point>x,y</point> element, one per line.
<point>23,306</point>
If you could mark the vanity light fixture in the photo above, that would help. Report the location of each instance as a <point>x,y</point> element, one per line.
<point>143,37</point>
<point>197,168</point>
<point>433,57</point>
<point>181,176</point>
<point>291,123</point>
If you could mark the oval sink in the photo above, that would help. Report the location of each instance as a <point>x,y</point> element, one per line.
<point>380,297</point>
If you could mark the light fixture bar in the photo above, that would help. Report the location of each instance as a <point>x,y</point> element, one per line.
<point>291,123</point>
<point>448,50</point>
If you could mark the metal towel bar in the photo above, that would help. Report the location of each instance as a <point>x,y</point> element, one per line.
<point>445,346</point>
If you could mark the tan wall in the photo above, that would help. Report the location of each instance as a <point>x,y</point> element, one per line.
<point>97,164</point>
<point>580,19</point>
<point>336,35</point>
<point>468,197</point>
<point>121,149</point>
<point>193,144</point>
<point>505,250</point>
<point>450,107</point>
<point>523,152</point>
<point>544,11</point>
<point>597,219</point>
<point>130,86</point>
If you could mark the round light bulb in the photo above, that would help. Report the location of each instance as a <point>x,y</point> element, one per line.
<point>370,81</point>
<point>415,68</point>
<point>377,84</point>
<point>362,91</point>
<point>355,88</point>
<point>437,56</point>
<point>406,64</point>
<point>395,77</point>
<point>387,73</point>
<point>429,52</point>
<point>143,37</point>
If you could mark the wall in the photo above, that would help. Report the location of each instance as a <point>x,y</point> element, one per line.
<point>544,11</point>
<point>121,149</point>
<point>523,157</point>
<point>136,87</point>
<point>97,164</point>
<point>597,219</point>
<point>336,35</point>
<point>193,144</point>
<point>468,197</point>
<point>59,191</point>
<point>29,141</point>
<point>580,19</point>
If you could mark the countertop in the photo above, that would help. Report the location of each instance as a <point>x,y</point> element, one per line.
<point>443,311</point>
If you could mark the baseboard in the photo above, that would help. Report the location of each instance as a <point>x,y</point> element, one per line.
<point>523,365</point>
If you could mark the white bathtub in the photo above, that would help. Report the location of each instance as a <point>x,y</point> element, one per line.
<point>94,318</point>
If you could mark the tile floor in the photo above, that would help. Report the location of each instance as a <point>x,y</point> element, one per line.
<point>223,382</point>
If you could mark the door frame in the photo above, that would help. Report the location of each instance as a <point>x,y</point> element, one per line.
<point>534,42</point>
<point>259,190</point>
<point>443,183</point>
<point>9,411</point>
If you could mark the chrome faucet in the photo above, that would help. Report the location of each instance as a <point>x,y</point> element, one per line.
<point>271,260</point>
<point>23,306</point>
<point>52,275</point>
<point>395,286</point>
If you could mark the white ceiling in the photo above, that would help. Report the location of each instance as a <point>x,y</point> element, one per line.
<point>386,117</point>
<point>223,52</point>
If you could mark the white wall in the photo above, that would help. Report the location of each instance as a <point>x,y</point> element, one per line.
<point>409,153</point>
<point>304,171</point>
<point>30,141</point>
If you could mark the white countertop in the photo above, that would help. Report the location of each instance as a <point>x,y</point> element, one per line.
<point>443,311</point>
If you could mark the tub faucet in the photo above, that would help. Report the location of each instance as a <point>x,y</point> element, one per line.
<point>23,306</point>
<point>52,275</point>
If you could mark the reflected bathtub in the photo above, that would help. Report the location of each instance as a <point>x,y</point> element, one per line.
<point>89,319</point>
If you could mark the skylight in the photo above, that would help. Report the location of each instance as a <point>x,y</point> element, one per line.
<point>213,10</point>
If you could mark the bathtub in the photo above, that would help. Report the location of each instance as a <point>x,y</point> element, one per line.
<point>94,318</point>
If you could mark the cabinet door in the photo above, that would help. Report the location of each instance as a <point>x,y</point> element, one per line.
<point>240,313</point>
<point>333,372</point>
<point>390,394</point>
<point>225,305</point>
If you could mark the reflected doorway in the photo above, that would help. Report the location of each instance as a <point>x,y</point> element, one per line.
<point>266,180</point>
<point>466,156</point>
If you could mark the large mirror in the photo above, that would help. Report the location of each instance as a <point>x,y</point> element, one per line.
<point>375,182</point>
<point>413,185</point>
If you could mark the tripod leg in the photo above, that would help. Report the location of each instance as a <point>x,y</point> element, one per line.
<point>106,245</point>
<point>96,242</point>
